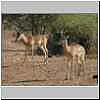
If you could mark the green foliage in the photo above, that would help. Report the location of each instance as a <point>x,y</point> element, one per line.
<point>82,28</point>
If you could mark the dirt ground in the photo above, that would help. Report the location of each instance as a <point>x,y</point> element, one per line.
<point>19,73</point>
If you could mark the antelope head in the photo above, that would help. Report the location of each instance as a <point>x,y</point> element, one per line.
<point>18,36</point>
<point>64,40</point>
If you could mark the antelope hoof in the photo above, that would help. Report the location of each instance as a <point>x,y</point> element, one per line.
<point>45,62</point>
<point>66,78</point>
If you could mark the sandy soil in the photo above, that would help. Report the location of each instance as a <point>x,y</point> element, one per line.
<point>55,73</point>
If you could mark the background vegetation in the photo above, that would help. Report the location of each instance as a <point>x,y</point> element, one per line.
<point>82,28</point>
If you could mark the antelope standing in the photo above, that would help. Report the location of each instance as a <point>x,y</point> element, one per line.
<point>38,41</point>
<point>74,52</point>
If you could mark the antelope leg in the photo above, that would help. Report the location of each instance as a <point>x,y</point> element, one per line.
<point>73,68</point>
<point>25,57</point>
<point>69,70</point>
<point>45,56</point>
<point>32,53</point>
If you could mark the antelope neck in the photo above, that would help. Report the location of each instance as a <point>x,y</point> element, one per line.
<point>25,40</point>
<point>67,46</point>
